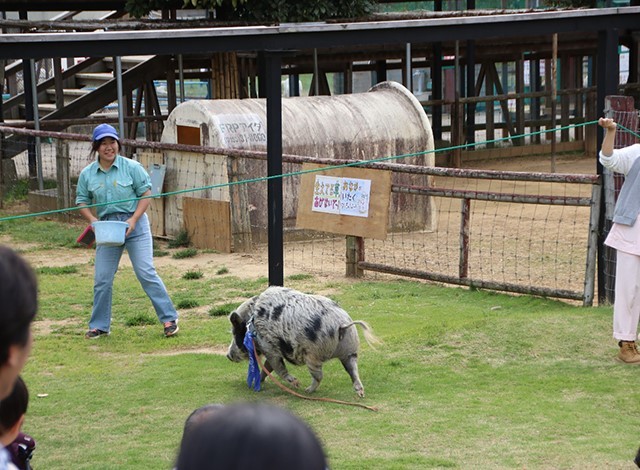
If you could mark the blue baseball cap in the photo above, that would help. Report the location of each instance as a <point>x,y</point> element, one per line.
<point>104,130</point>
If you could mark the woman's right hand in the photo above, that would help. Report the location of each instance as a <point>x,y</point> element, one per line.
<point>607,123</point>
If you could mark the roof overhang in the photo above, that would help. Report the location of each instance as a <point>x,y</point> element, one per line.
<point>294,36</point>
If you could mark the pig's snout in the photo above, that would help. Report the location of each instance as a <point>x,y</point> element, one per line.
<point>235,354</point>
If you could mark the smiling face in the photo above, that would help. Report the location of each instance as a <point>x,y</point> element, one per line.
<point>107,149</point>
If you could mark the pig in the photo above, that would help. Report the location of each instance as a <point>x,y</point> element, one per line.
<point>301,329</point>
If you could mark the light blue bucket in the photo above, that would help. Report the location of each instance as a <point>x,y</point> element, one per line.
<point>110,232</point>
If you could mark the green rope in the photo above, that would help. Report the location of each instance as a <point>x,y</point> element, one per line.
<point>302,172</point>
<point>636,135</point>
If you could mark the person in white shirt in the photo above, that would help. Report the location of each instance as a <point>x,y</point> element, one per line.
<point>624,237</point>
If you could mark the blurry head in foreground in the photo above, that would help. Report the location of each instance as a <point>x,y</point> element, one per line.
<point>253,437</point>
<point>18,307</point>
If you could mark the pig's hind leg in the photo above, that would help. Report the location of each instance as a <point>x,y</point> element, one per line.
<point>351,366</point>
<point>315,369</point>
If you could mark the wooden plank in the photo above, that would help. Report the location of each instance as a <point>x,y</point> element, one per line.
<point>373,226</point>
<point>516,152</point>
<point>208,223</point>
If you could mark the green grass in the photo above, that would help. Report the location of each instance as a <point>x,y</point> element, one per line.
<point>464,378</point>
<point>223,310</point>
<point>185,253</point>
<point>193,275</point>
<point>33,230</point>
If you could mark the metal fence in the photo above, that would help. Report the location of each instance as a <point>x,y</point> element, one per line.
<point>529,233</point>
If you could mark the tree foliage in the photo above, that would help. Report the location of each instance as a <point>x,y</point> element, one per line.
<point>262,10</point>
<point>571,3</point>
<point>140,8</point>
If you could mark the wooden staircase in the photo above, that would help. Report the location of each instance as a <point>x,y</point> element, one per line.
<point>81,91</point>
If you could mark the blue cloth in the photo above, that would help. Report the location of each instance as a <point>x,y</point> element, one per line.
<point>253,374</point>
<point>139,245</point>
<point>125,181</point>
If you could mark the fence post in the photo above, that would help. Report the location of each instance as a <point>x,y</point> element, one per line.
<point>590,132</point>
<point>465,216</point>
<point>239,198</point>
<point>592,246</point>
<point>355,254</point>
<point>63,178</point>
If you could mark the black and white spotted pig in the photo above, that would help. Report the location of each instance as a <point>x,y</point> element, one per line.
<point>300,328</point>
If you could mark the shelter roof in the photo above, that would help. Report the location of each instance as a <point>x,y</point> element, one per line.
<point>192,37</point>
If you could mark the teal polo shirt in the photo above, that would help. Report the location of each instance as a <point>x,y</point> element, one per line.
<point>116,188</point>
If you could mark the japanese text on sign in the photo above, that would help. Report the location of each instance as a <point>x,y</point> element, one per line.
<point>345,196</point>
<point>239,130</point>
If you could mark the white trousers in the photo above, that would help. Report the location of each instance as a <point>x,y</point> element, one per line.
<point>626,309</point>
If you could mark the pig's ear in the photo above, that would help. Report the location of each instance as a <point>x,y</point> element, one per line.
<point>235,319</point>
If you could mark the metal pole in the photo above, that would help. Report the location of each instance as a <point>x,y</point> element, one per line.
<point>181,77</point>
<point>607,77</point>
<point>554,98</point>
<point>36,121</point>
<point>118,62</point>
<point>273,67</point>
<point>316,73</point>
<point>408,68</point>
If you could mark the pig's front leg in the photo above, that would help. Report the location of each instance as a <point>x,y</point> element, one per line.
<point>263,374</point>
<point>280,368</point>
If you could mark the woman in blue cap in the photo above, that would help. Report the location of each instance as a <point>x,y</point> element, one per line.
<point>116,183</point>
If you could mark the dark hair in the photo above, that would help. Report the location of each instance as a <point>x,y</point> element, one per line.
<point>198,415</point>
<point>14,406</point>
<point>18,298</point>
<point>251,437</point>
<point>95,145</point>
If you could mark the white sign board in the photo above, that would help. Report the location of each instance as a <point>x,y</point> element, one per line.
<point>344,196</point>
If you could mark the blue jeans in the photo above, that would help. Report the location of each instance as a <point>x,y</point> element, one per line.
<point>139,245</point>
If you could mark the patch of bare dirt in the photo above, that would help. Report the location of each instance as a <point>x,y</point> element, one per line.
<point>43,327</point>
<point>216,350</point>
<point>564,164</point>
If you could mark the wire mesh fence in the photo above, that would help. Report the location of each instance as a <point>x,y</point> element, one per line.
<point>621,110</point>
<point>512,231</point>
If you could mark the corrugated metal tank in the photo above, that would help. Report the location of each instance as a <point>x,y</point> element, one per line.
<point>385,121</point>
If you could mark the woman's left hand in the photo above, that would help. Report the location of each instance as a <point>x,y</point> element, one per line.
<point>132,226</point>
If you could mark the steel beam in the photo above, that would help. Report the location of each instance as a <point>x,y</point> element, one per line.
<point>321,35</point>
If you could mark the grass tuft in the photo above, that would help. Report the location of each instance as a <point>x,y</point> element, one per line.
<point>182,239</point>
<point>140,319</point>
<point>193,275</point>
<point>186,253</point>
<point>57,270</point>
<point>223,310</point>
<point>300,277</point>
<point>187,303</point>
